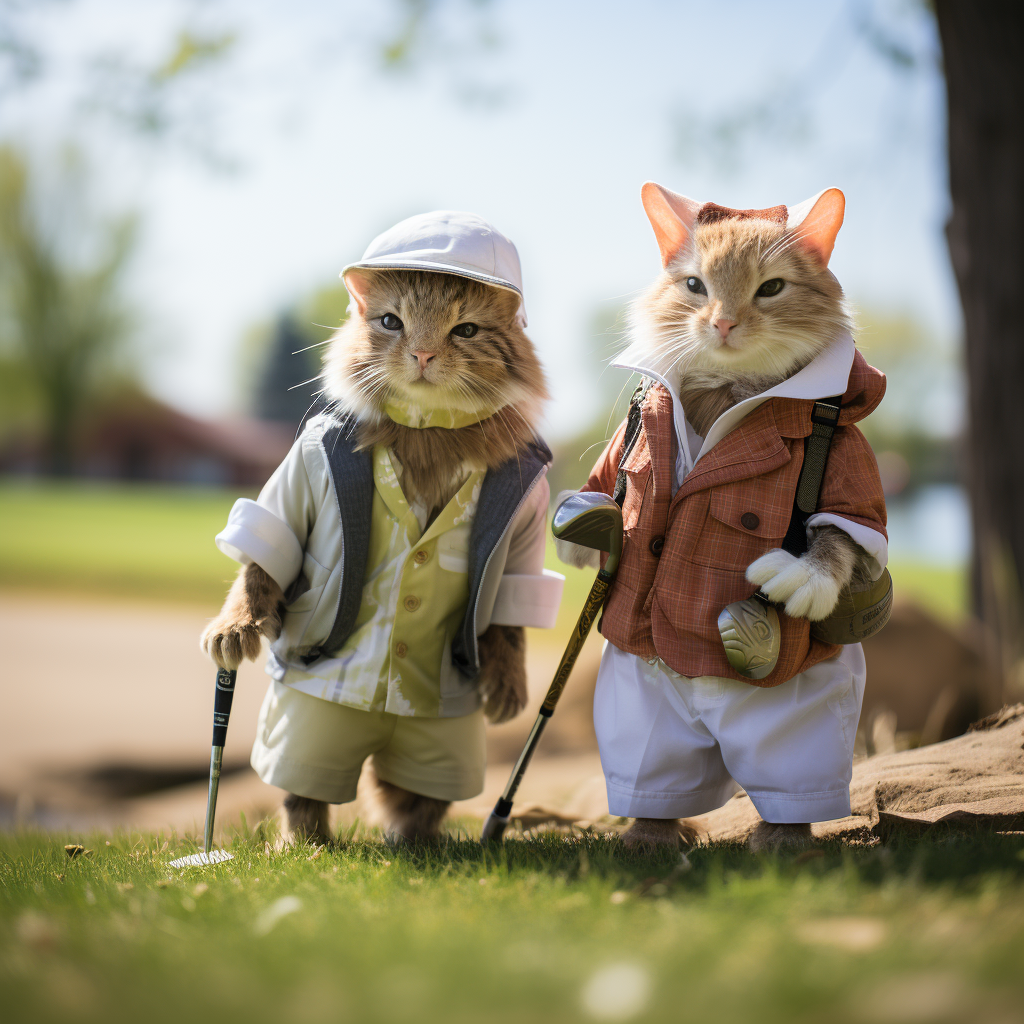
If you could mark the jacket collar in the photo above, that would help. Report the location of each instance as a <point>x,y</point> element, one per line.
<point>826,375</point>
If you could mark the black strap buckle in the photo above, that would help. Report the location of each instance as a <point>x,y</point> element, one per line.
<point>825,414</point>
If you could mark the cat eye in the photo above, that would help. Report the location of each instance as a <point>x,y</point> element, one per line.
<point>465,330</point>
<point>390,322</point>
<point>696,285</point>
<point>772,287</point>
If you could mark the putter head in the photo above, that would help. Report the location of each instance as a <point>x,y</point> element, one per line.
<point>593,520</point>
<point>751,636</point>
<point>202,859</point>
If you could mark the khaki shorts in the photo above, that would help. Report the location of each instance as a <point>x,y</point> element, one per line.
<point>315,748</point>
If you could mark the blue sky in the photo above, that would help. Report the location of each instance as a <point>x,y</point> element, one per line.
<point>331,151</point>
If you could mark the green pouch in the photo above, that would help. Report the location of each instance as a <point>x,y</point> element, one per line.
<point>863,609</point>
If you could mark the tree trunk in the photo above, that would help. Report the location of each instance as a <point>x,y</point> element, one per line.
<point>983,51</point>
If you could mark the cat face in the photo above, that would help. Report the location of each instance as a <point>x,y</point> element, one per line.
<point>742,294</point>
<point>435,340</point>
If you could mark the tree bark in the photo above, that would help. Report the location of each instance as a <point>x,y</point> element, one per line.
<point>983,51</point>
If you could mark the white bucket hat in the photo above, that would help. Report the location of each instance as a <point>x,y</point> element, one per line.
<point>448,242</point>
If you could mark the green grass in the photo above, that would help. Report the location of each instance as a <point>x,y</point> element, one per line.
<point>145,541</point>
<point>929,930</point>
<point>942,589</point>
<point>154,541</point>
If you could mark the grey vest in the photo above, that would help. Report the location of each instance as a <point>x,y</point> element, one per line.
<point>501,496</point>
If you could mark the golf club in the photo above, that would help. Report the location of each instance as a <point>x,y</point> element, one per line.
<point>593,520</point>
<point>222,698</point>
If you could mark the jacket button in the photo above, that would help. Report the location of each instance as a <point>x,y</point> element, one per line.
<point>750,520</point>
<point>412,603</point>
<point>420,557</point>
<point>657,546</point>
<point>401,650</point>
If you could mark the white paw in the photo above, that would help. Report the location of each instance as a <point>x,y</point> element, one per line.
<point>771,570</point>
<point>576,554</point>
<point>807,591</point>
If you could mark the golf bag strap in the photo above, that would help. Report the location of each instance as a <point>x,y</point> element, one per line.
<point>824,420</point>
<point>634,423</point>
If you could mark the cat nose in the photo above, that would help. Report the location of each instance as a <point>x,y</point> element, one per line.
<point>423,357</point>
<point>724,327</point>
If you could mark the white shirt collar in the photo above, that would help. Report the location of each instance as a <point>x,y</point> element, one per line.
<point>827,374</point>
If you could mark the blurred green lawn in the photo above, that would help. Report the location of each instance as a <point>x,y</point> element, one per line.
<point>123,540</point>
<point>549,929</point>
<point>155,542</point>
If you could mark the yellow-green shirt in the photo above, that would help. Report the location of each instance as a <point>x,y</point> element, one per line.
<point>414,599</point>
<point>294,530</point>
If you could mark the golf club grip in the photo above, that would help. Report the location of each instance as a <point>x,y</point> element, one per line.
<point>591,608</point>
<point>222,697</point>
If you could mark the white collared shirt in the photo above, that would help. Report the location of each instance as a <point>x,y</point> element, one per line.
<point>826,375</point>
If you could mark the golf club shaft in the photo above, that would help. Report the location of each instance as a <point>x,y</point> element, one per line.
<point>591,607</point>
<point>498,818</point>
<point>222,698</point>
<point>216,758</point>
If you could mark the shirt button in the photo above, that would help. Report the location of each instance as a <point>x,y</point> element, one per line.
<point>412,603</point>
<point>656,546</point>
<point>401,650</point>
<point>420,557</point>
<point>750,520</point>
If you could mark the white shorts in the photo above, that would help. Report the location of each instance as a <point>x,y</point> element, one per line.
<point>673,747</point>
<point>316,748</point>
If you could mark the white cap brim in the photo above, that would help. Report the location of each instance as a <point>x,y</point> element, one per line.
<point>391,263</point>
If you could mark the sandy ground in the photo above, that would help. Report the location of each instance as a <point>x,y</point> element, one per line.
<point>91,688</point>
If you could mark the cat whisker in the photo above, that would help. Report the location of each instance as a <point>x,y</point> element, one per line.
<point>596,444</point>
<point>305,382</point>
<point>309,348</point>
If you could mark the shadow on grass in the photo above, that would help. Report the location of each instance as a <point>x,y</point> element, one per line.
<point>941,857</point>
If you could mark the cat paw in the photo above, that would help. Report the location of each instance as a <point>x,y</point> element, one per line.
<point>769,837</point>
<point>504,701</point>
<point>229,642</point>
<point>656,833</point>
<point>503,672</point>
<point>304,822</point>
<point>808,591</point>
<point>409,818</point>
<point>577,555</point>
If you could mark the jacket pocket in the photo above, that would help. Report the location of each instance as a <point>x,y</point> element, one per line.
<point>744,520</point>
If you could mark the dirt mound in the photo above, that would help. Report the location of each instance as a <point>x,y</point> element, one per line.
<point>930,676</point>
<point>975,780</point>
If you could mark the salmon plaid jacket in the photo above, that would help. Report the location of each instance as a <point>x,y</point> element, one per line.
<point>685,556</point>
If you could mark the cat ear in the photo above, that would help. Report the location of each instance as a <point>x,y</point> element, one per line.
<point>671,215</point>
<point>358,286</point>
<point>817,221</point>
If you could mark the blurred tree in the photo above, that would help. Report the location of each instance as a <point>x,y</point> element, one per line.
<point>20,59</point>
<point>984,64</point>
<point>287,381</point>
<point>177,95</point>
<point>918,427</point>
<point>63,321</point>
<point>281,360</point>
